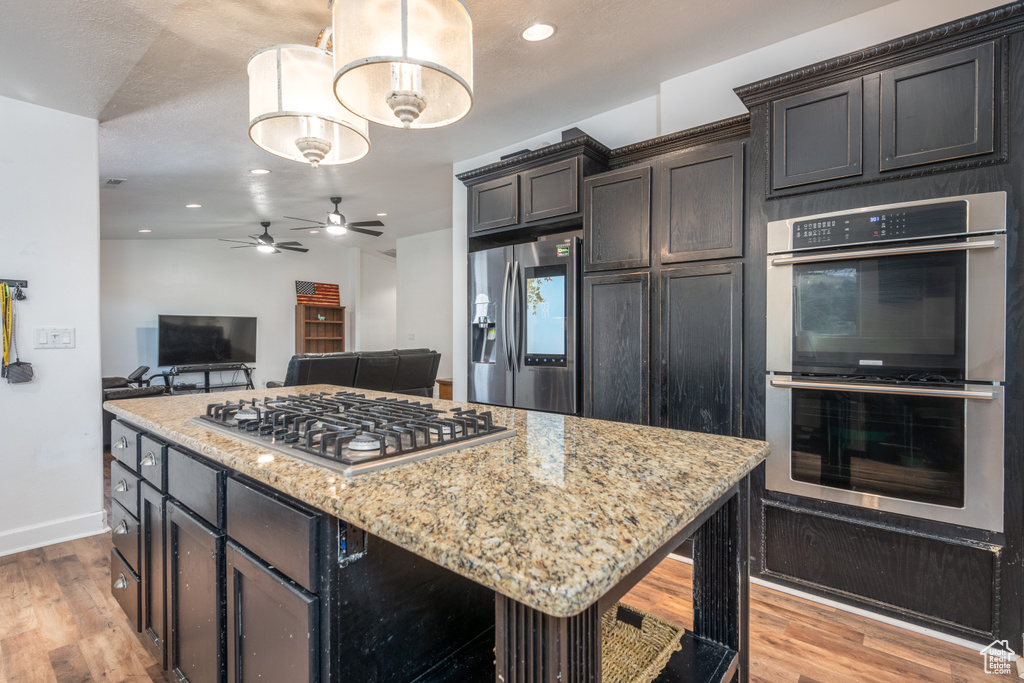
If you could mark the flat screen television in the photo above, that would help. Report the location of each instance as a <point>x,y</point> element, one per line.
<point>205,339</point>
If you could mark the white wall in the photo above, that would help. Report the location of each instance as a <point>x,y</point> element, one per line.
<point>51,454</point>
<point>375,325</point>
<point>695,99</point>
<point>143,278</point>
<point>424,268</point>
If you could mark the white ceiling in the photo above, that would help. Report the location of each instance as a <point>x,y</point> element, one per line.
<point>167,81</point>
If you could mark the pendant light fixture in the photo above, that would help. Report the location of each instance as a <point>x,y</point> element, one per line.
<point>404,63</point>
<point>293,112</point>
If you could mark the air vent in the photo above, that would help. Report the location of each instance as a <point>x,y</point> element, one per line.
<point>113,182</point>
<point>389,252</point>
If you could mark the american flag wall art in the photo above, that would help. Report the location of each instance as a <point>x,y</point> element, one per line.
<point>316,294</point>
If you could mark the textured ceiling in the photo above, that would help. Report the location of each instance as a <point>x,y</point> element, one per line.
<point>167,81</point>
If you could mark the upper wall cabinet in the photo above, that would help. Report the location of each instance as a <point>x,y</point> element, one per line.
<point>532,193</point>
<point>817,135</point>
<point>938,109</point>
<point>617,219</point>
<point>698,211</point>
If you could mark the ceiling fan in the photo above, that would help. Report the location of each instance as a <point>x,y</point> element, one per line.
<point>266,244</point>
<point>337,224</point>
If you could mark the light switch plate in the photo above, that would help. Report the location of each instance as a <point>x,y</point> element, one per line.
<point>54,338</point>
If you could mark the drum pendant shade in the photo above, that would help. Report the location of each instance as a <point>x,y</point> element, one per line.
<point>293,112</point>
<point>404,63</point>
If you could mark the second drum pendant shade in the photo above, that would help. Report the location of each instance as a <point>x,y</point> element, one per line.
<point>404,63</point>
<point>293,112</point>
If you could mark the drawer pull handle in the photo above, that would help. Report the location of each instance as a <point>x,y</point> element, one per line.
<point>149,460</point>
<point>121,582</point>
<point>121,486</point>
<point>121,529</point>
<point>122,442</point>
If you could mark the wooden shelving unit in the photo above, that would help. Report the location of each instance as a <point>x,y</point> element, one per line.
<point>313,335</point>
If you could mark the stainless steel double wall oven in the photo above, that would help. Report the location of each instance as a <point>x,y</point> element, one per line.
<point>885,355</point>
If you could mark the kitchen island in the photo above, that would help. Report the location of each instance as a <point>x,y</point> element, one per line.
<point>556,522</point>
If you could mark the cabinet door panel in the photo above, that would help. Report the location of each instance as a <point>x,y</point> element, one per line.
<point>154,616</point>
<point>700,370</point>
<point>700,204</point>
<point>195,597</point>
<point>617,220</point>
<point>616,323</point>
<point>272,624</point>
<point>494,204</point>
<point>938,109</point>
<point>551,190</point>
<point>818,135</point>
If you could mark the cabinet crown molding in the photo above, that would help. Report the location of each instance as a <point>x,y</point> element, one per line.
<point>725,129</point>
<point>988,24</point>
<point>582,145</point>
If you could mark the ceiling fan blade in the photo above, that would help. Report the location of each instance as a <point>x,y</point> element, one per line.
<point>364,224</point>
<point>244,246</point>
<point>287,244</point>
<point>278,246</point>
<point>310,227</point>
<point>239,241</point>
<point>302,219</point>
<point>375,233</point>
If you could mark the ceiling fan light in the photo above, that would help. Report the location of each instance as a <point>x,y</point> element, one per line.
<point>265,248</point>
<point>293,112</point>
<point>336,229</point>
<point>404,63</point>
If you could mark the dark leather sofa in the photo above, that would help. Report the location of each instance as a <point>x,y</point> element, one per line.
<point>402,371</point>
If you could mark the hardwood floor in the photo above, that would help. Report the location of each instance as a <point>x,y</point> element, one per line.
<point>59,623</point>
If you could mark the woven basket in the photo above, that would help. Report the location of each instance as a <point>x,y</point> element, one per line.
<point>636,655</point>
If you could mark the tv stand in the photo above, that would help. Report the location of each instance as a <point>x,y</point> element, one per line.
<point>205,370</point>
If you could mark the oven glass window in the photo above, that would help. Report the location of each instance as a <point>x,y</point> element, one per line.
<point>909,447</point>
<point>885,316</point>
<point>545,311</point>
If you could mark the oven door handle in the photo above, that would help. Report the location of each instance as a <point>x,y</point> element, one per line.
<point>877,389</point>
<point>895,251</point>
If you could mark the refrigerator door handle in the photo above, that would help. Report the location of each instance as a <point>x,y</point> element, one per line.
<point>506,307</point>
<point>513,304</point>
<point>520,295</point>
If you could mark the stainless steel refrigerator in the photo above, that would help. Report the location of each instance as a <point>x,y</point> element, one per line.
<point>523,328</point>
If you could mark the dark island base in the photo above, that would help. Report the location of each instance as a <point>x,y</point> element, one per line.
<point>532,647</point>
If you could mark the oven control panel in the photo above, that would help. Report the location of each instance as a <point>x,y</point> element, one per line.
<point>908,222</point>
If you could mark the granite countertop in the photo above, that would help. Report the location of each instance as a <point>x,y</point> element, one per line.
<point>553,517</point>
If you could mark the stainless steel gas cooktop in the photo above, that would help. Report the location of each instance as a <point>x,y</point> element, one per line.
<point>349,433</point>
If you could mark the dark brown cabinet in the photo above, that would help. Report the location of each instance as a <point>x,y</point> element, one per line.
<point>617,219</point>
<point>818,135</point>
<point>550,191</point>
<point>272,632</point>
<point>494,205</point>
<point>938,109</point>
<point>699,385</point>
<point>698,212</point>
<point>195,597</point>
<point>151,571</point>
<point>616,347</point>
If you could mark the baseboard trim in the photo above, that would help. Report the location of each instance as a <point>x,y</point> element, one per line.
<point>57,531</point>
<point>810,597</point>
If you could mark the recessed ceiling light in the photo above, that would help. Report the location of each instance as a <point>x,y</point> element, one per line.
<point>193,206</point>
<point>539,32</point>
<point>382,214</point>
<point>259,171</point>
<point>313,232</point>
<point>145,231</point>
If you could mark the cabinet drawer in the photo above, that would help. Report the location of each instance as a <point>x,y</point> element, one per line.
<point>124,487</point>
<point>124,531</point>
<point>280,532</point>
<point>124,444</point>
<point>153,462</point>
<point>197,485</point>
<point>124,586</point>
